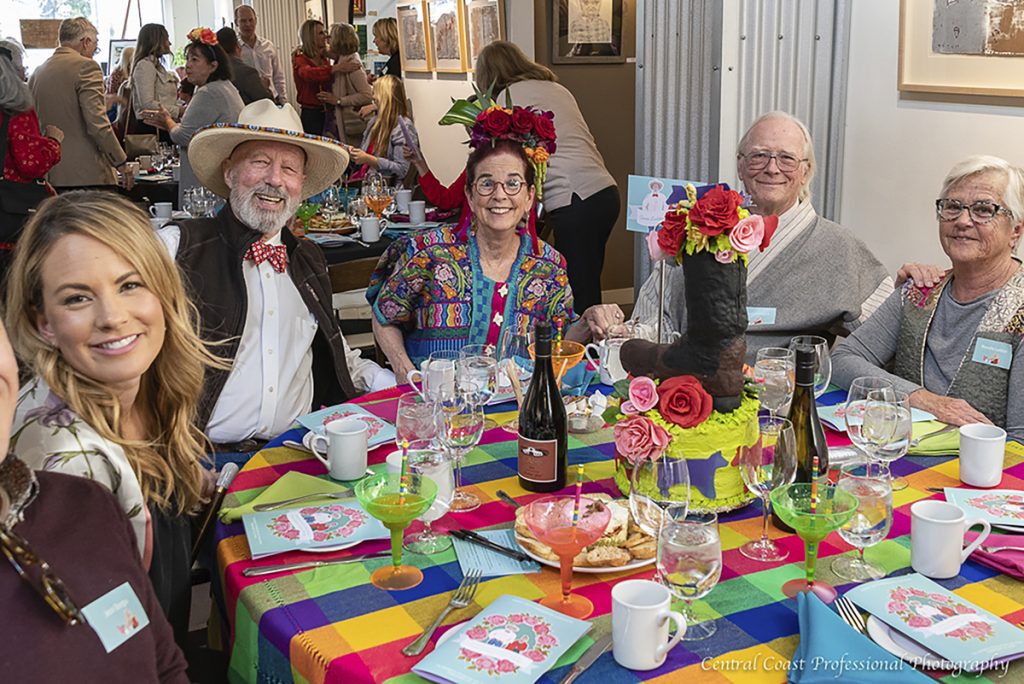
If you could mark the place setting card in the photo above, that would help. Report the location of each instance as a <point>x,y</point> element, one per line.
<point>1000,507</point>
<point>379,431</point>
<point>321,528</point>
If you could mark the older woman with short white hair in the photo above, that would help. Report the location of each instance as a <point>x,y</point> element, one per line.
<point>955,348</point>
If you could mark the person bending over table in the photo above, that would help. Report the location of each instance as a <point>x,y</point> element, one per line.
<point>384,141</point>
<point>264,297</point>
<point>467,285</point>
<point>956,348</point>
<point>97,309</point>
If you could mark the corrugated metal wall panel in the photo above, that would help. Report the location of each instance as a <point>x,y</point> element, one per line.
<point>279,20</point>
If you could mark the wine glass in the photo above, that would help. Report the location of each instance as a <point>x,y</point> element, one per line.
<point>769,463</point>
<point>462,425</point>
<point>305,212</point>
<point>774,371</point>
<point>823,370</point>
<point>516,367</point>
<point>659,488</point>
<point>376,194</point>
<point>812,510</point>
<point>854,411</point>
<point>415,420</point>
<point>432,464</point>
<point>869,524</point>
<point>477,376</point>
<point>892,410</point>
<point>690,565</point>
<point>556,522</point>
<point>386,499</point>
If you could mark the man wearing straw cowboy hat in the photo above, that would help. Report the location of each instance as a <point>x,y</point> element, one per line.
<point>263,296</point>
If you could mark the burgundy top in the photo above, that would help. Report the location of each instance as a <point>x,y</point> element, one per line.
<point>76,526</point>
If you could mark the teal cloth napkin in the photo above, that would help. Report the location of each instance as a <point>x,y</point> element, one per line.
<point>577,379</point>
<point>828,644</point>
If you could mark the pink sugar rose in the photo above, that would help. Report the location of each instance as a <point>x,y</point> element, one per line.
<point>747,234</point>
<point>724,257</point>
<point>643,393</point>
<point>654,249</point>
<point>639,438</point>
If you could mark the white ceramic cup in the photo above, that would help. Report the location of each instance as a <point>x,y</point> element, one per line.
<point>370,228</point>
<point>402,199</point>
<point>640,615</point>
<point>437,378</point>
<point>982,449</point>
<point>346,446</point>
<point>606,354</point>
<point>161,210</point>
<point>417,211</point>
<point>937,531</point>
<point>157,223</point>
<point>145,161</point>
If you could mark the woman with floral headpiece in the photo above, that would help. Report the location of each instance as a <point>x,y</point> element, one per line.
<point>467,285</point>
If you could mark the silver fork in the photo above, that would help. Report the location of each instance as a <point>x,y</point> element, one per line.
<point>274,505</point>
<point>461,598</point>
<point>935,433</point>
<point>850,614</point>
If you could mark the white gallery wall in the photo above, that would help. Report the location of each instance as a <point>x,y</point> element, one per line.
<point>899,148</point>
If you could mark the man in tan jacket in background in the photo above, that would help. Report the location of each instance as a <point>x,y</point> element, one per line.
<point>68,90</point>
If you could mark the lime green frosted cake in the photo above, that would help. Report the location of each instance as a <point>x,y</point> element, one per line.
<point>711,450</point>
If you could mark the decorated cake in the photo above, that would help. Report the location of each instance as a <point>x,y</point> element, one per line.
<point>689,399</point>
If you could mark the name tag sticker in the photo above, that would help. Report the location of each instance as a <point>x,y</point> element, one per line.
<point>116,616</point>
<point>760,315</point>
<point>992,353</point>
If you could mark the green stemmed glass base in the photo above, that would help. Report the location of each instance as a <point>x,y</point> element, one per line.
<point>381,497</point>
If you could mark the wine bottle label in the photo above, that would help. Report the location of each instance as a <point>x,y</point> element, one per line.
<point>538,459</point>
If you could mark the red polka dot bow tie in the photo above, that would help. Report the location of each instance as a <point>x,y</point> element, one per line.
<point>260,251</point>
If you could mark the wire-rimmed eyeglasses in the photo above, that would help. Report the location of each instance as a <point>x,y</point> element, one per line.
<point>784,160</point>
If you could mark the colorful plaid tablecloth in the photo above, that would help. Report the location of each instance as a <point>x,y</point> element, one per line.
<point>331,625</point>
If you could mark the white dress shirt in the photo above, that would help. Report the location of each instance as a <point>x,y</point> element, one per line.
<point>263,57</point>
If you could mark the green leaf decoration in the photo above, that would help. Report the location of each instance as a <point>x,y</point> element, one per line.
<point>611,415</point>
<point>621,389</point>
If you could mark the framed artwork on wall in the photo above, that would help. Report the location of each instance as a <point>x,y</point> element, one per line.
<point>117,46</point>
<point>969,48</point>
<point>485,23</point>
<point>315,10</point>
<point>586,31</point>
<point>447,35</point>
<point>358,8</point>
<point>413,36</point>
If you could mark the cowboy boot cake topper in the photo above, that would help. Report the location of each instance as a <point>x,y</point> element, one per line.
<point>709,234</point>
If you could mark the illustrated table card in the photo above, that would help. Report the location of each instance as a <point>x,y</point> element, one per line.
<point>379,430</point>
<point>997,506</point>
<point>952,627</point>
<point>341,523</point>
<point>834,416</point>
<point>512,640</point>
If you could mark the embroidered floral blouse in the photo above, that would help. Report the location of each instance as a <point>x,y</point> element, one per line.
<point>435,291</point>
<point>54,438</point>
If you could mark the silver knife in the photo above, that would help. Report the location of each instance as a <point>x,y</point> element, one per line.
<point>588,658</point>
<point>271,569</point>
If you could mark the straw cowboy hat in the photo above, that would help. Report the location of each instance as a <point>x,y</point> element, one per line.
<point>326,159</point>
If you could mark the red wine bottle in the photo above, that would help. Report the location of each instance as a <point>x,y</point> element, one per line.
<point>543,434</point>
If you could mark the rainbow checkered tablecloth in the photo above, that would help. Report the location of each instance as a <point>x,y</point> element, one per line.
<point>331,625</point>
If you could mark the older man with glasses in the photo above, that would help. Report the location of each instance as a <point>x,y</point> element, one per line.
<point>815,277</point>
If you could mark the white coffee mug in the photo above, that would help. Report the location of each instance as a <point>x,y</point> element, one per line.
<point>937,531</point>
<point>161,210</point>
<point>370,228</point>
<point>345,444</point>
<point>417,211</point>
<point>606,354</point>
<point>437,378</point>
<point>982,450</point>
<point>640,615</point>
<point>402,199</point>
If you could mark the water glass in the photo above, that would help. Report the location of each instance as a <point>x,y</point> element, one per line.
<point>515,366</point>
<point>432,464</point>
<point>659,490</point>
<point>477,375</point>
<point>870,523</point>
<point>775,372</point>
<point>415,420</point>
<point>891,409</point>
<point>690,565</point>
<point>462,424</point>
<point>823,368</point>
<point>769,463</point>
<point>864,437</point>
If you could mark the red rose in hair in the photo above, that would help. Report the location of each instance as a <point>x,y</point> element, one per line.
<point>497,122</point>
<point>522,120</point>
<point>716,211</point>
<point>684,401</point>
<point>544,127</point>
<point>672,233</point>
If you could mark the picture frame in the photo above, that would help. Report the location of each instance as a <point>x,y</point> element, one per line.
<point>358,8</point>
<point>485,23</point>
<point>314,9</point>
<point>117,46</point>
<point>969,67</point>
<point>446,20</point>
<point>586,32</point>
<point>413,36</point>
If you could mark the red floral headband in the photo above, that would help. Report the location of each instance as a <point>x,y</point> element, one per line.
<point>204,35</point>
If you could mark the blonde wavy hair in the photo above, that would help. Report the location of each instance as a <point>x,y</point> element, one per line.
<point>307,40</point>
<point>168,463</point>
<point>389,93</point>
<point>386,29</point>
<point>502,63</point>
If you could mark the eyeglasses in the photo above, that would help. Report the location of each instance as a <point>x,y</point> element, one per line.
<point>38,574</point>
<point>981,212</point>
<point>784,160</point>
<point>485,186</point>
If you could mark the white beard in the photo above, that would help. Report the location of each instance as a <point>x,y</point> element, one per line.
<point>263,221</point>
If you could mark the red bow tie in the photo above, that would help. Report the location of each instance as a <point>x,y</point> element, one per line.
<point>260,251</point>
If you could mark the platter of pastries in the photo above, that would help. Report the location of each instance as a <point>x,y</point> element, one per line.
<point>623,546</point>
<point>338,224</point>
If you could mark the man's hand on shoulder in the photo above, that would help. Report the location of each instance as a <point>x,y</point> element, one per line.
<point>922,275</point>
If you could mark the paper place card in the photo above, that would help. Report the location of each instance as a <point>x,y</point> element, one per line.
<point>512,641</point>
<point>954,628</point>
<point>997,506</point>
<point>310,527</point>
<point>490,563</point>
<point>834,416</point>
<point>379,430</point>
